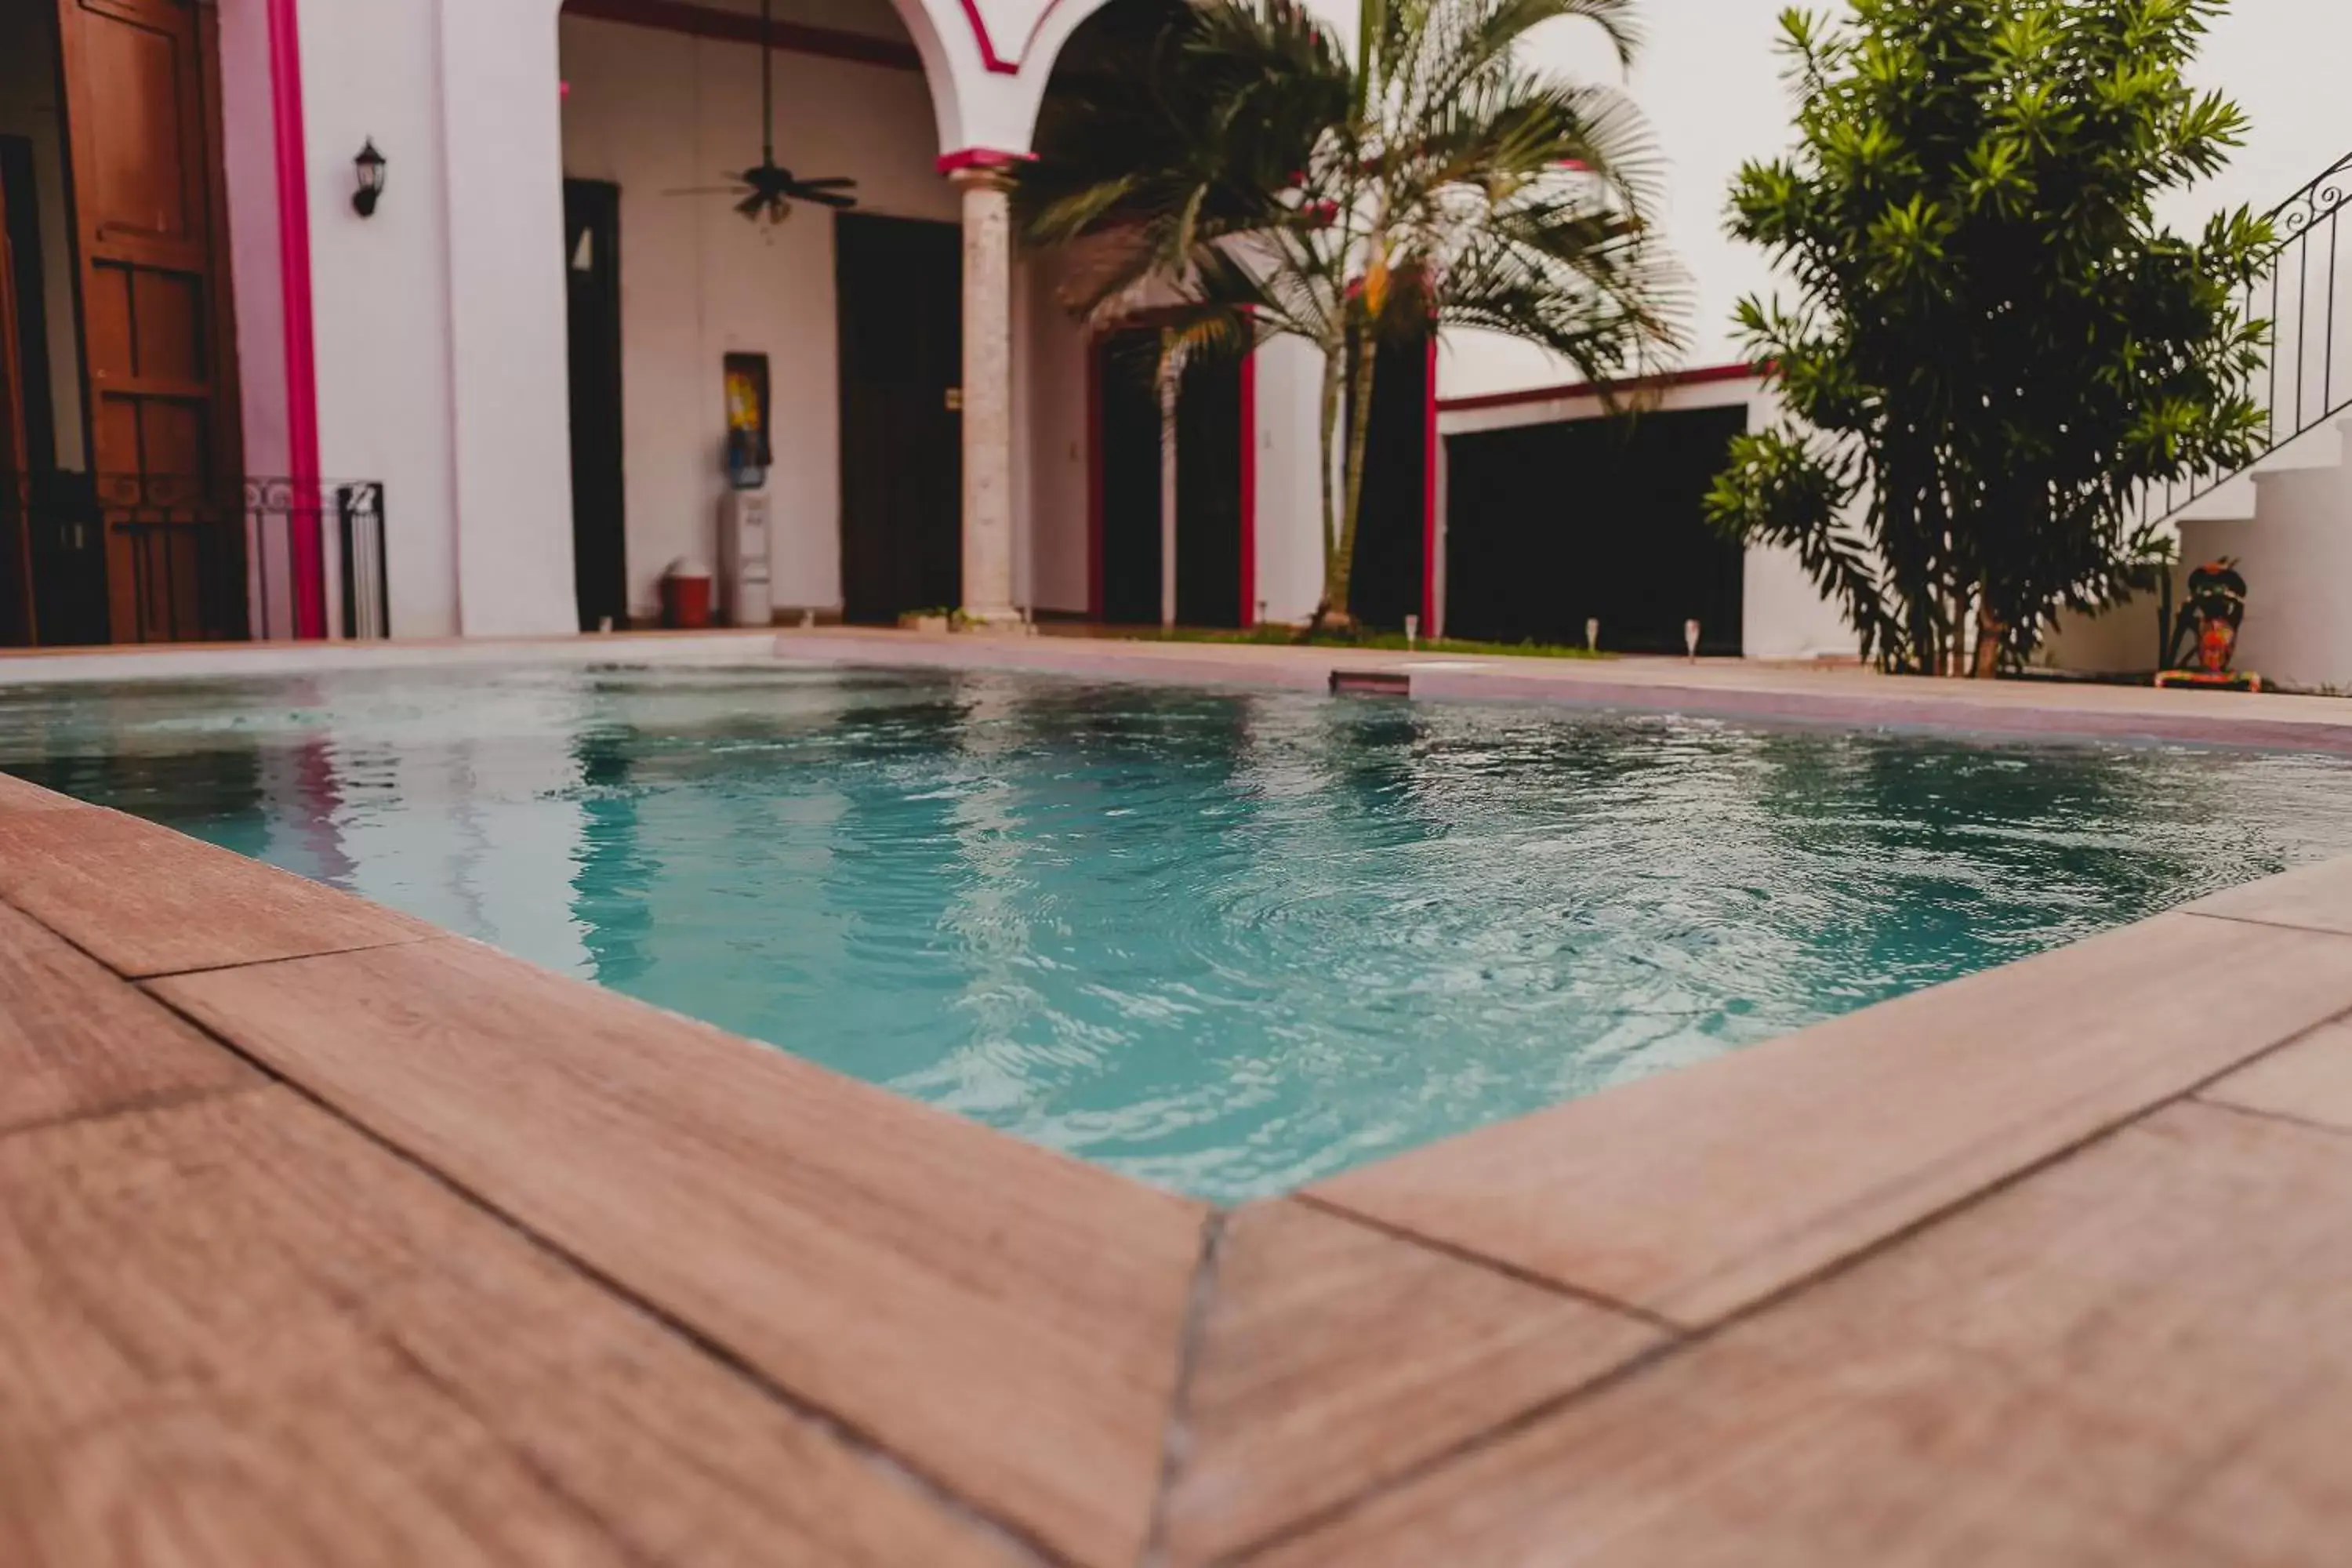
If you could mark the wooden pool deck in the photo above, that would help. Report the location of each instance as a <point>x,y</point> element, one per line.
<point>327,1238</point>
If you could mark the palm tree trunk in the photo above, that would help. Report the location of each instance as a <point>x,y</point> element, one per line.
<point>1328,429</point>
<point>1986,666</point>
<point>1336,614</point>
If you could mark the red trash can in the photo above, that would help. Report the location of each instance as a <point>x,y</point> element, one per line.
<point>685,595</point>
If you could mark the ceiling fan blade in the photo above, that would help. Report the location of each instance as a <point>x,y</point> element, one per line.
<point>829,182</point>
<point>705,191</point>
<point>826,198</point>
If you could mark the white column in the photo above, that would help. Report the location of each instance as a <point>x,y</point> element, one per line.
<point>509,410</point>
<point>987,395</point>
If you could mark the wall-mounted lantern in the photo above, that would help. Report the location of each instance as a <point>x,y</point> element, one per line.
<point>370,164</point>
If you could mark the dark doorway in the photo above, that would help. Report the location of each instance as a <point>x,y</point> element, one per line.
<point>23,294</point>
<point>1209,465</point>
<point>1392,522</point>
<point>899,286</point>
<point>591,271</point>
<point>1212,533</point>
<point>1547,525</point>
<point>16,382</point>
<point>1127,425</point>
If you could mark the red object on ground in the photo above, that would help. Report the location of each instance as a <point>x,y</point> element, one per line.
<point>685,602</point>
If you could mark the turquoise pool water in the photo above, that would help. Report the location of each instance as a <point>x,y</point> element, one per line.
<point>1224,942</point>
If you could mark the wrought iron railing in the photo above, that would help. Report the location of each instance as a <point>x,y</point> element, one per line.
<point>2301,292</point>
<point>301,533</point>
<point>101,558</point>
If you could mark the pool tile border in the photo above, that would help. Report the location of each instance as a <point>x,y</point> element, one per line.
<point>147,900</point>
<point>1697,1193</point>
<point>1835,695</point>
<point>1058,1365</point>
<point>1003,1319</point>
<point>236,1329</point>
<point>2138,1355</point>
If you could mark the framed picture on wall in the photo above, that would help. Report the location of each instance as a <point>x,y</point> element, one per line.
<point>748,451</point>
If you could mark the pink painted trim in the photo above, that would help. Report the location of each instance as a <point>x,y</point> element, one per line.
<point>1698,378</point>
<point>303,543</point>
<point>1429,494</point>
<point>981,158</point>
<point>733,26</point>
<point>1249,488</point>
<point>988,55</point>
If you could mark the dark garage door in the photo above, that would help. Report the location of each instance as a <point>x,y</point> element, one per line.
<point>1549,524</point>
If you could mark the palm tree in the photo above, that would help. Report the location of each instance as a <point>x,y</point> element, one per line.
<point>1237,168</point>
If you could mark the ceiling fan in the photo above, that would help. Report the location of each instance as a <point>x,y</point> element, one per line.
<point>767,189</point>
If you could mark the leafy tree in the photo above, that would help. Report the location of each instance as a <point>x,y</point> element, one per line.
<point>1995,348</point>
<point>1236,168</point>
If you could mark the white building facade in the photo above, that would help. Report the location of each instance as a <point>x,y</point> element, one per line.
<point>495,404</point>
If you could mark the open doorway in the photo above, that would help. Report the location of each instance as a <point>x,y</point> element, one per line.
<point>1211,503</point>
<point>1550,524</point>
<point>899,285</point>
<point>1212,545</point>
<point>1128,495</point>
<point>591,271</point>
<point>1392,532</point>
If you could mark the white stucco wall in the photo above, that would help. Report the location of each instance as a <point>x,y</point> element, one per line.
<point>2295,553</point>
<point>439,321</point>
<point>380,294</point>
<point>657,111</point>
<point>512,444</point>
<point>248,147</point>
<point>1050,495</point>
<point>1289,498</point>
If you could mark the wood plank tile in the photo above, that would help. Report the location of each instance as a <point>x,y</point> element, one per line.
<point>2140,1357</point>
<point>1333,1357</point>
<point>1005,1317</point>
<point>146,900</point>
<point>235,1332</point>
<point>18,795</point>
<point>77,1039</point>
<point>2315,898</point>
<point>1698,1192</point>
<point>2310,1079</point>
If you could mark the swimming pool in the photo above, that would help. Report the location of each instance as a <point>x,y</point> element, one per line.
<point>1226,942</point>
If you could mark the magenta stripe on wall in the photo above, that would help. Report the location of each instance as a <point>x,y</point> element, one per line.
<point>307,559</point>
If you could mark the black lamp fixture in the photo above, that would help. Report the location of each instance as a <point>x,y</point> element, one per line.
<point>370,164</point>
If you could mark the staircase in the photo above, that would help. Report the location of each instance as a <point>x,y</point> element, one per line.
<point>2287,516</point>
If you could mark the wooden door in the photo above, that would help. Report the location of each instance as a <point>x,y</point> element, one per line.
<point>898,283</point>
<point>591,271</point>
<point>142,120</point>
